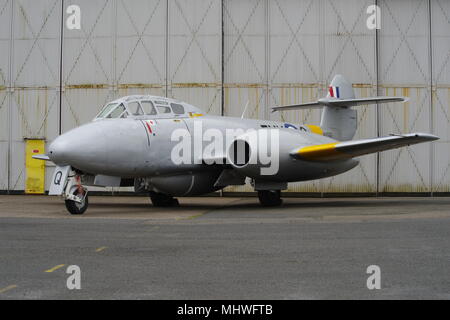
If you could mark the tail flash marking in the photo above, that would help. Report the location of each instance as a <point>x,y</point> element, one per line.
<point>334,92</point>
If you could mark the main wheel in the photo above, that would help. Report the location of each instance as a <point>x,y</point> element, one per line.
<point>162,200</point>
<point>270,198</point>
<point>76,208</point>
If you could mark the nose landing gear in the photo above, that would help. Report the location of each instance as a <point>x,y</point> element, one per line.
<point>76,197</point>
<point>78,206</point>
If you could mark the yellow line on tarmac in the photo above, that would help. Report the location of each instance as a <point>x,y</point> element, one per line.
<point>55,268</point>
<point>191,217</point>
<point>8,288</point>
<point>100,249</point>
<point>195,216</point>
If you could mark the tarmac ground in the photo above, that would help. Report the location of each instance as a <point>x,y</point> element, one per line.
<point>225,248</point>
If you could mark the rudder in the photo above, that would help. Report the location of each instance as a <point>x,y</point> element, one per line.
<point>339,123</point>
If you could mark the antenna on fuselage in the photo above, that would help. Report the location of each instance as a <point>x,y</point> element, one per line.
<point>245,109</point>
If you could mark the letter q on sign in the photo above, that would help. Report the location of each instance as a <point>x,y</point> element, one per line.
<point>74,20</point>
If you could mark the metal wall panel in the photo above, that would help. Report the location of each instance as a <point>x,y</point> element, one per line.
<point>5,41</point>
<point>35,78</point>
<point>274,52</point>
<point>88,77</point>
<point>404,69</point>
<point>294,63</point>
<point>140,47</point>
<point>441,94</point>
<point>349,48</point>
<point>245,57</point>
<point>195,53</point>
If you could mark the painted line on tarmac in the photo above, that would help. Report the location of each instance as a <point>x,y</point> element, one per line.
<point>191,217</point>
<point>55,268</point>
<point>202,214</point>
<point>8,288</point>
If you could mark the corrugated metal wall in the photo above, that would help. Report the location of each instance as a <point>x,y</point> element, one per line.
<point>219,55</point>
<point>440,38</point>
<point>34,48</point>
<point>5,40</point>
<point>404,69</point>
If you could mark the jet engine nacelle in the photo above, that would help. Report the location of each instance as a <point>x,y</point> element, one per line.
<point>257,154</point>
<point>264,155</point>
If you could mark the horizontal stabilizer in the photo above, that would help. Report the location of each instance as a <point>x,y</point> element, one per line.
<point>351,149</point>
<point>312,105</point>
<point>343,103</point>
<point>43,157</point>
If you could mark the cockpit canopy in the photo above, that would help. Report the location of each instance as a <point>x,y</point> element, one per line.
<point>146,106</point>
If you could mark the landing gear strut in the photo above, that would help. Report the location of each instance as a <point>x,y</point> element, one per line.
<point>162,200</point>
<point>76,197</point>
<point>270,198</point>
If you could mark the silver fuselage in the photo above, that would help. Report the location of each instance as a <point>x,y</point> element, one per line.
<point>126,148</point>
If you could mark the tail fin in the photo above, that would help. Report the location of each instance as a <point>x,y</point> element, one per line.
<point>339,123</point>
<point>339,120</point>
<point>340,88</point>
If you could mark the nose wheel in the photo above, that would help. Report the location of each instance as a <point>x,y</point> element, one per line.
<point>76,196</point>
<point>270,198</point>
<point>77,207</point>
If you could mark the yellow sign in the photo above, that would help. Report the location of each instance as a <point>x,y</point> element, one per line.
<point>35,169</point>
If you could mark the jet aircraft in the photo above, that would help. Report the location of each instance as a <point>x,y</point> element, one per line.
<point>132,143</point>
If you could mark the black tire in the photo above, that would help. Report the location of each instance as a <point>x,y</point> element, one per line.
<point>76,208</point>
<point>163,201</point>
<point>270,198</point>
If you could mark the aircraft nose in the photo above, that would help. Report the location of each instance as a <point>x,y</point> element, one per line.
<point>61,151</point>
<point>104,147</point>
<point>77,147</point>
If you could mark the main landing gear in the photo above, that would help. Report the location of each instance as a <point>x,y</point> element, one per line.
<point>270,198</point>
<point>162,200</point>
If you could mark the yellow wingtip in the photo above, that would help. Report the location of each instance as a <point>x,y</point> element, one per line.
<point>319,152</point>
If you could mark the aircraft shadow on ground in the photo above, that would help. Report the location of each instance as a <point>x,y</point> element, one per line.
<point>297,203</point>
<point>250,203</point>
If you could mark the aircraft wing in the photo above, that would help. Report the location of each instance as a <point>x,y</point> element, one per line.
<point>352,149</point>
<point>332,102</point>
